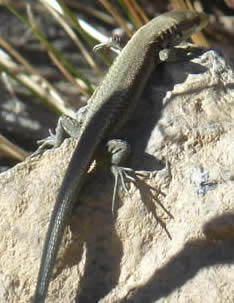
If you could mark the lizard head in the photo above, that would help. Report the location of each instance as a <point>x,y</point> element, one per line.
<point>189,22</point>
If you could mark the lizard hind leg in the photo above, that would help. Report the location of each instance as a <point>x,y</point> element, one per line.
<point>120,151</point>
<point>66,127</point>
<point>52,141</point>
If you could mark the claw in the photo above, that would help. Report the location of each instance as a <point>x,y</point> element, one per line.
<point>127,176</point>
<point>116,175</point>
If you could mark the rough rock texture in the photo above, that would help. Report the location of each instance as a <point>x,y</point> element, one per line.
<point>172,239</point>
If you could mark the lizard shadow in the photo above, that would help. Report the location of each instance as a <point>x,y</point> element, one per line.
<point>139,129</point>
<point>94,238</point>
<point>149,197</point>
<point>194,256</point>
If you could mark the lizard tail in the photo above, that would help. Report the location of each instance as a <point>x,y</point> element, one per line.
<point>67,196</point>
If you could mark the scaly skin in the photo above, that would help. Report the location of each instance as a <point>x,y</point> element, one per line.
<point>112,104</point>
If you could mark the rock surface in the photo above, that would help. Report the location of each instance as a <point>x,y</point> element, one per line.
<point>172,238</point>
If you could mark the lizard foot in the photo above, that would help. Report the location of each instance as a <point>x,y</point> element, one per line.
<point>121,173</point>
<point>114,43</point>
<point>44,144</point>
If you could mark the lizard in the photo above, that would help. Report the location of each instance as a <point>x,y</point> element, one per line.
<point>109,108</point>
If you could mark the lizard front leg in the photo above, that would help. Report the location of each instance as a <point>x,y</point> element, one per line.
<point>115,43</point>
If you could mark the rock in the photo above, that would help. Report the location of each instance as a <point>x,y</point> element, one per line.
<point>171,239</point>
